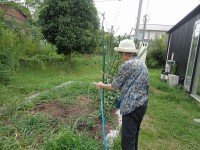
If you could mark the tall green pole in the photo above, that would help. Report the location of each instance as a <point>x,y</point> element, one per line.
<point>103,51</point>
<point>103,78</point>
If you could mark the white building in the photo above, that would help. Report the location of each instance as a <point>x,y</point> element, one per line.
<point>152,30</point>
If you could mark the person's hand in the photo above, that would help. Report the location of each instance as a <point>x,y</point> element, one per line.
<point>99,85</point>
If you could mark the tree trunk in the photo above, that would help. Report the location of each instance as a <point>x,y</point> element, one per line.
<point>69,61</point>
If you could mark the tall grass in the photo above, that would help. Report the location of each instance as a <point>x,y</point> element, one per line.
<point>67,139</point>
<point>21,129</point>
<point>30,80</point>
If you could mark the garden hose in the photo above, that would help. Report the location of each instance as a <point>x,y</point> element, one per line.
<point>102,114</point>
<point>103,123</point>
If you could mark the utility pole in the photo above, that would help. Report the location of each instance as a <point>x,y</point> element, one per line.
<point>130,33</point>
<point>144,27</point>
<point>138,20</point>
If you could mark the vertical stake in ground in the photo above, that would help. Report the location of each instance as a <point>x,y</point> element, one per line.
<point>101,92</point>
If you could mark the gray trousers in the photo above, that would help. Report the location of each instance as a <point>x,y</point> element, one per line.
<point>131,126</point>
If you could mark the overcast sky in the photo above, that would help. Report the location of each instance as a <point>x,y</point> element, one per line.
<point>123,14</point>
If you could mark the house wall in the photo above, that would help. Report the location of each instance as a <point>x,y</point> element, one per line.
<point>180,40</point>
<point>12,13</point>
<point>150,35</point>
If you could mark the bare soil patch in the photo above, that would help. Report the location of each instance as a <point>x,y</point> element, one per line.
<point>84,107</point>
<point>96,130</point>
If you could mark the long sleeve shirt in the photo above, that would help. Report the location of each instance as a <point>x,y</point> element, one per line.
<point>132,80</point>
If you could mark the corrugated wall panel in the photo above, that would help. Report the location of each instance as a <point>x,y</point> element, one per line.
<point>180,45</point>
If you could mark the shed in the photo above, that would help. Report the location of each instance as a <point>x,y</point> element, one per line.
<point>183,48</point>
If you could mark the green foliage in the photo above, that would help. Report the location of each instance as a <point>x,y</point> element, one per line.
<point>31,79</point>
<point>109,101</point>
<point>5,74</point>
<point>19,48</point>
<point>173,68</point>
<point>157,50</point>
<point>70,25</point>
<point>29,124</point>
<point>7,55</point>
<point>34,129</point>
<point>67,139</point>
<point>111,68</point>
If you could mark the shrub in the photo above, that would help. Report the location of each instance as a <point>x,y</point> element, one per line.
<point>19,48</point>
<point>156,52</point>
<point>7,61</point>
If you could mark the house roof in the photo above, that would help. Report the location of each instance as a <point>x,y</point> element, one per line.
<point>156,27</point>
<point>14,5</point>
<point>194,12</point>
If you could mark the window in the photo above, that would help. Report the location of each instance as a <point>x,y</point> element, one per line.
<point>196,83</point>
<point>192,56</point>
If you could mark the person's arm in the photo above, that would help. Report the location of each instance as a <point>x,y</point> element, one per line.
<point>101,85</point>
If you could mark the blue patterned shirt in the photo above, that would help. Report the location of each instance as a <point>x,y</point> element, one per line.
<point>132,80</point>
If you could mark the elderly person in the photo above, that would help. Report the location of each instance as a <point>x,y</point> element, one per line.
<point>132,81</point>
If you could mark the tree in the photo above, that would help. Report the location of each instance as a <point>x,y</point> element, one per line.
<point>70,25</point>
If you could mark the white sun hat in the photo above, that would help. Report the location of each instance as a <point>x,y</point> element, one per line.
<point>127,46</point>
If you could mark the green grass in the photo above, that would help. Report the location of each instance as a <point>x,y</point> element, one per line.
<point>20,128</point>
<point>170,115</point>
<point>68,140</point>
<point>28,81</point>
<point>168,123</point>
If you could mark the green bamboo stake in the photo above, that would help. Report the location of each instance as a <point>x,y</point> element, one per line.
<point>103,51</point>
